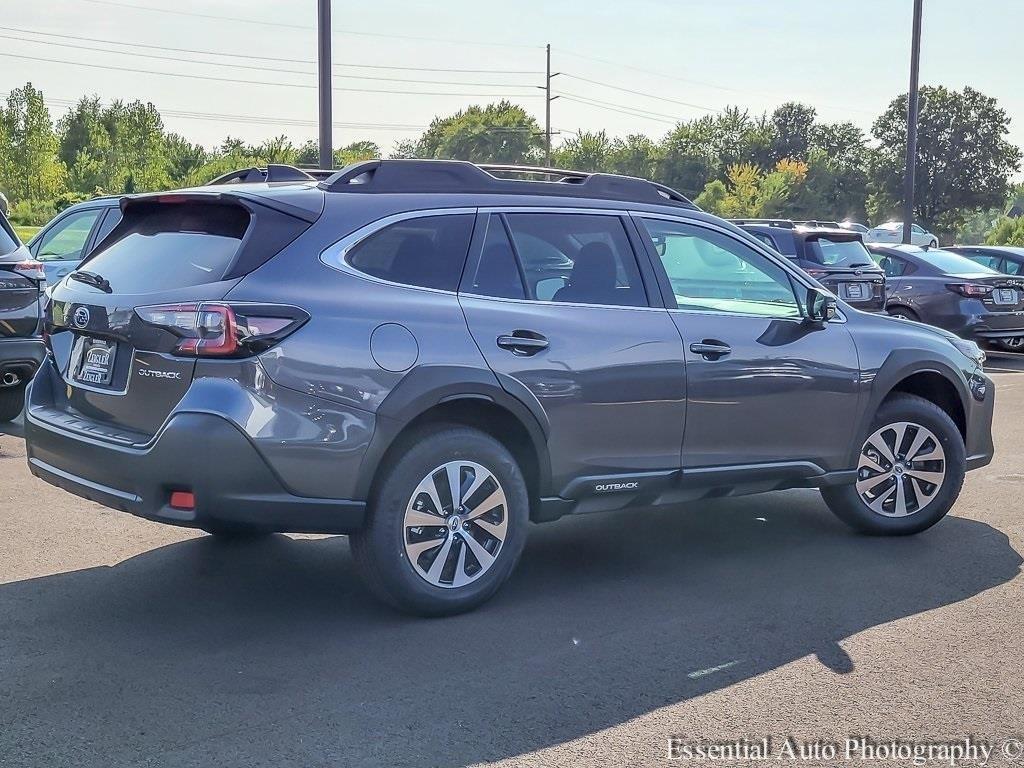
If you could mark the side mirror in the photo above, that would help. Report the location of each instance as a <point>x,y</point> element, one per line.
<point>822,306</point>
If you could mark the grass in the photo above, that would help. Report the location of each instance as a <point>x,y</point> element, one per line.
<point>26,233</point>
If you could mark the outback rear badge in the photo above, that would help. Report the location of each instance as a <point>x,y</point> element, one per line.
<point>155,374</point>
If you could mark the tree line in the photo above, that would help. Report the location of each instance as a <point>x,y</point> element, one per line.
<point>786,163</point>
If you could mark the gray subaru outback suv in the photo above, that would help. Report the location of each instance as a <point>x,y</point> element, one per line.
<point>428,355</point>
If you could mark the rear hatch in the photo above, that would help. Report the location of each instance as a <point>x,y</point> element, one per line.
<point>21,283</point>
<point>124,327</point>
<point>840,262</point>
<point>1001,295</point>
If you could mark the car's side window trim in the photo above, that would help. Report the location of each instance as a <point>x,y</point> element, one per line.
<point>335,255</point>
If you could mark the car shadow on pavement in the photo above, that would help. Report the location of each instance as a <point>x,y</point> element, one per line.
<point>271,653</point>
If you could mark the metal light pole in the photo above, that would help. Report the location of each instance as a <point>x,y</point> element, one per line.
<point>326,92</point>
<point>912,107</point>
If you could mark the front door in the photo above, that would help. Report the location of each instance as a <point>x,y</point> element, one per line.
<point>764,386</point>
<point>557,305</point>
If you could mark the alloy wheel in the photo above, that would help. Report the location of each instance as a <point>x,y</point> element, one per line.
<point>455,524</point>
<point>901,469</point>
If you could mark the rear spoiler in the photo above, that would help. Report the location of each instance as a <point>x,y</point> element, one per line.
<point>238,197</point>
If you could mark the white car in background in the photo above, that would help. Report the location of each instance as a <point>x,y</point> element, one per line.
<point>892,232</point>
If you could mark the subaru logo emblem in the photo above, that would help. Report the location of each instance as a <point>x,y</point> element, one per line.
<point>81,317</point>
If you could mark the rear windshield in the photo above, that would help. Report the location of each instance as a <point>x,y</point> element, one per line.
<point>953,263</point>
<point>160,247</point>
<point>838,253</point>
<point>8,240</point>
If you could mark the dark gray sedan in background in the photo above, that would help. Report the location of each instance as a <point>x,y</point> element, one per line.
<point>950,291</point>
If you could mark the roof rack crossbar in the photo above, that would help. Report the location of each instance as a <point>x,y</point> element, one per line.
<point>274,172</point>
<point>460,177</point>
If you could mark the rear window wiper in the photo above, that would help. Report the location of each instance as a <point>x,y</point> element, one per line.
<point>91,278</point>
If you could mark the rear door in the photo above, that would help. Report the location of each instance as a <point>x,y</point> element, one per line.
<point>764,387</point>
<point>557,305</point>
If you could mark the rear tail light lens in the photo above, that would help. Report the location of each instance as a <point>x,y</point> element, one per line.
<point>970,290</point>
<point>221,329</point>
<point>30,268</point>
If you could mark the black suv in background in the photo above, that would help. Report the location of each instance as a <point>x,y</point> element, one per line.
<point>22,282</point>
<point>833,256</point>
<point>427,355</point>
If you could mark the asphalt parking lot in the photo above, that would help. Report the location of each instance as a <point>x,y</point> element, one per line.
<point>123,642</point>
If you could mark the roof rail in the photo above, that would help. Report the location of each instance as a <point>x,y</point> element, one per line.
<point>272,173</point>
<point>780,223</point>
<point>461,177</point>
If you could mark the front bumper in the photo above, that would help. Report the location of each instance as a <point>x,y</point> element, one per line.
<point>198,452</point>
<point>980,407</point>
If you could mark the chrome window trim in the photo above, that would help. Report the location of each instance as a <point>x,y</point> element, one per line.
<point>334,255</point>
<point>759,248</point>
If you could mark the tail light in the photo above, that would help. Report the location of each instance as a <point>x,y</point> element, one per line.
<point>220,329</point>
<point>970,290</point>
<point>29,268</point>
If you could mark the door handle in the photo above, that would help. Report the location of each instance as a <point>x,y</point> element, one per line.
<point>710,349</point>
<point>523,342</point>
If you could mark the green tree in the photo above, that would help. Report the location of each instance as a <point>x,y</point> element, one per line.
<point>183,157</point>
<point>354,152</point>
<point>793,125</point>
<point>1008,232</point>
<point>498,133</point>
<point>635,155</point>
<point>964,160</point>
<point>586,151</point>
<point>31,168</point>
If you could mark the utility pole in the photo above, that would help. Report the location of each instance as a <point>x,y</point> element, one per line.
<point>326,85</point>
<point>548,98</point>
<point>912,109</point>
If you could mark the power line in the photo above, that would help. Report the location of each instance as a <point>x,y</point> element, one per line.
<point>256,57</point>
<point>263,82</point>
<point>641,93</point>
<point>241,20</point>
<point>263,69</point>
<point>612,108</point>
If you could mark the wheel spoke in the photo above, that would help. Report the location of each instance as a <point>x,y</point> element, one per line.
<point>866,462</point>
<point>935,454</point>
<point>878,503</point>
<point>415,518</point>
<point>496,530</point>
<point>869,484</point>
<point>454,471</point>
<point>434,574</point>
<point>482,556</point>
<point>900,508</point>
<point>430,487</point>
<point>920,438</point>
<point>461,579</point>
<point>877,442</point>
<point>415,550</point>
<point>485,506</point>
<point>929,477</point>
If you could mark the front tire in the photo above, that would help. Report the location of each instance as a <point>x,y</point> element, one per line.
<point>910,470</point>
<point>12,402</point>
<point>447,523</point>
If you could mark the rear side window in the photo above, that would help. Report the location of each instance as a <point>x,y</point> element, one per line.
<point>427,252</point>
<point>171,246</point>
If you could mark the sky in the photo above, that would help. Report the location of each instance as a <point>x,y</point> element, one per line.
<point>628,66</point>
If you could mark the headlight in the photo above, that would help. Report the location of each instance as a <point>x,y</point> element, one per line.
<point>968,348</point>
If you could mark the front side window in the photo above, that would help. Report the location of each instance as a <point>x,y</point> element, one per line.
<point>427,252</point>
<point>66,239</point>
<point>893,266</point>
<point>577,258</point>
<point>713,272</point>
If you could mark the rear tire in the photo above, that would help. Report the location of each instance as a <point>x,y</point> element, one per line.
<point>431,564</point>
<point>928,460</point>
<point>1015,344</point>
<point>12,402</point>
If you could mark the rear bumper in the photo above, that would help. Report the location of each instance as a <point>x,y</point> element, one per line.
<point>198,452</point>
<point>22,356</point>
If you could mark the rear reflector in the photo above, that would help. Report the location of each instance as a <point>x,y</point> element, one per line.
<point>185,500</point>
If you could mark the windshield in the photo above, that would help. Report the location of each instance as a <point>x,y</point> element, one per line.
<point>838,253</point>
